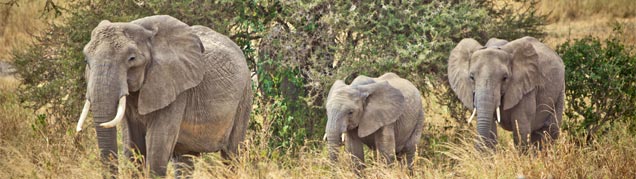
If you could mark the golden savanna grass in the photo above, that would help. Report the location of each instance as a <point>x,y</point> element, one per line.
<point>571,19</point>
<point>29,149</point>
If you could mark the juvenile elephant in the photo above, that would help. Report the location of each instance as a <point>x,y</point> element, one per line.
<point>178,89</point>
<point>384,113</point>
<point>521,82</point>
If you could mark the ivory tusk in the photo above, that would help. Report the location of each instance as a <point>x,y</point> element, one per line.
<point>342,136</point>
<point>87,106</point>
<point>498,115</point>
<point>121,108</point>
<point>472,115</point>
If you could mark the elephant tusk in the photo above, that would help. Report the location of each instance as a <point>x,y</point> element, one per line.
<point>343,136</point>
<point>87,106</point>
<point>121,108</point>
<point>498,115</point>
<point>472,115</point>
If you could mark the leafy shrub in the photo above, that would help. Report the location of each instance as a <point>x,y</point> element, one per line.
<point>600,83</point>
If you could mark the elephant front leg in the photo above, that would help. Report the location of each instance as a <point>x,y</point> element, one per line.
<point>522,116</point>
<point>385,143</point>
<point>521,125</point>
<point>134,135</point>
<point>521,133</point>
<point>353,145</point>
<point>161,136</point>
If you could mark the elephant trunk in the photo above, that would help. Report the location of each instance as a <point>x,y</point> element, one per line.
<point>106,137</point>
<point>107,142</point>
<point>486,104</point>
<point>105,88</point>
<point>335,127</point>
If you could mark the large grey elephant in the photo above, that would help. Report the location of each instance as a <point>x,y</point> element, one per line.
<point>178,89</point>
<point>384,113</point>
<point>521,82</point>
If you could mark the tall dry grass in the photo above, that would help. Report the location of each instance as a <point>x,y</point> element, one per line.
<point>570,19</point>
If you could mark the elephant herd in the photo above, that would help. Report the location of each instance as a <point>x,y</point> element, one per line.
<point>181,90</point>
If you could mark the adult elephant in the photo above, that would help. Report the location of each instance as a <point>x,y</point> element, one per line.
<point>521,82</point>
<point>384,113</point>
<point>178,89</point>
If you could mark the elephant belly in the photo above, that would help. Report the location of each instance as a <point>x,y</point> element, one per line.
<point>207,129</point>
<point>209,115</point>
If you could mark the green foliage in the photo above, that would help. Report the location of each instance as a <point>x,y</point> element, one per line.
<point>600,80</point>
<point>296,49</point>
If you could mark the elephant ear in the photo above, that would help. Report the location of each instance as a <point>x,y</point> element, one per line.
<point>524,70</point>
<point>458,70</point>
<point>176,65</point>
<point>383,106</point>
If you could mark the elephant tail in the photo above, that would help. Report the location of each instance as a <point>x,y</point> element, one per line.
<point>241,122</point>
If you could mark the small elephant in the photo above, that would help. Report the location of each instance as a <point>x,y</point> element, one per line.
<point>385,113</point>
<point>521,82</point>
<point>178,89</point>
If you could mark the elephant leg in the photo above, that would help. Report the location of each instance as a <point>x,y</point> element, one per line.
<point>406,157</point>
<point>547,133</point>
<point>538,137</point>
<point>521,117</point>
<point>552,125</point>
<point>161,136</point>
<point>555,128</point>
<point>385,143</point>
<point>521,133</point>
<point>241,121</point>
<point>184,164</point>
<point>134,135</point>
<point>353,145</point>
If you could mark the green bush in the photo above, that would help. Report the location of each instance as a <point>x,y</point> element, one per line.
<point>600,83</point>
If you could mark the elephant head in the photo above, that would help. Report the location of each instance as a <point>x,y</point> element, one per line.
<point>488,78</point>
<point>367,107</point>
<point>155,57</point>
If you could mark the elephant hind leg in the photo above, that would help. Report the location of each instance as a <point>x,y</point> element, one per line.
<point>406,157</point>
<point>241,121</point>
<point>552,127</point>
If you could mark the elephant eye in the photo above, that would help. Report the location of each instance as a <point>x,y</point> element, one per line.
<point>505,78</point>
<point>131,58</point>
<point>350,112</point>
<point>472,76</point>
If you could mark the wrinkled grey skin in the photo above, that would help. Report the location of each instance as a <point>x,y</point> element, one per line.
<point>524,77</point>
<point>384,113</point>
<point>187,88</point>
